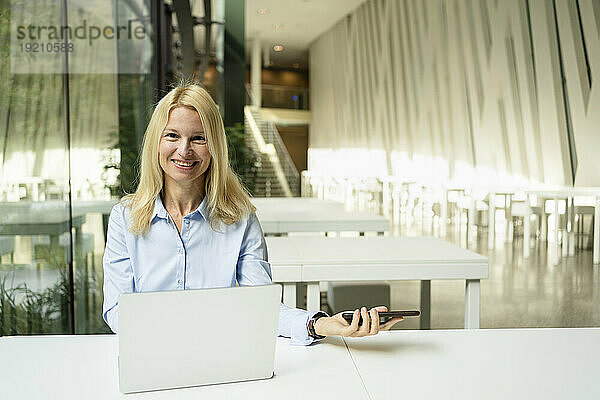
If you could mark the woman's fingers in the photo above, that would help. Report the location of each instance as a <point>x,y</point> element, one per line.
<point>374,321</point>
<point>370,325</point>
<point>381,308</point>
<point>353,327</point>
<point>363,330</point>
<point>366,325</point>
<point>388,325</point>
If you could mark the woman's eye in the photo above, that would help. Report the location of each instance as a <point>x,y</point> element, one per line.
<point>170,135</point>
<point>199,139</point>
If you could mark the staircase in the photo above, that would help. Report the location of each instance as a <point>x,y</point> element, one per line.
<point>277,175</point>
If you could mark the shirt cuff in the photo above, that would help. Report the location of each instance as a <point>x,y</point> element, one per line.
<point>300,336</point>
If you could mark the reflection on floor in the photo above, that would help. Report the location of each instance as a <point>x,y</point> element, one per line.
<point>518,293</point>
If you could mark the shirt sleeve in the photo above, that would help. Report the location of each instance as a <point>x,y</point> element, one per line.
<point>118,272</point>
<point>254,269</point>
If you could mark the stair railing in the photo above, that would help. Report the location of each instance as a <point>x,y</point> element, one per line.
<point>270,150</point>
<point>271,135</point>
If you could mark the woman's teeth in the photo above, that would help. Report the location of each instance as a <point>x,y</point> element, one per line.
<point>184,164</point>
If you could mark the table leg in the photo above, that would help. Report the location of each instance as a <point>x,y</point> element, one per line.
<point>554,247</point>
<point>596,253</point>
<point>289,294</point>
<point>565,238</point>
<point>395,207</point>
<point>492,221</point>
<point>105,219</point>
<point>472,295</point>
<point>385,205</point>
<point>526,227</point>
<point>572,228</point>
<point>471,221</point>
<point>508,217</point>
<point>425,320</point>
<point>443,214</point>
<point>313,296</point>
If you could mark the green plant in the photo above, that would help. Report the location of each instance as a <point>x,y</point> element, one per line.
<point>243,160</point>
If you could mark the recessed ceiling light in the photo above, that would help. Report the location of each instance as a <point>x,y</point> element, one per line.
<point>278,47</point>
<point>296,65</point>
<point>277,27</point>
<point>262,11</point>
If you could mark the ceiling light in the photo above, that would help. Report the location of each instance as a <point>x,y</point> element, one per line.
<point>296,65</point>
<point>277,27</point>
<point>278,47</point>
<point>262,11</point>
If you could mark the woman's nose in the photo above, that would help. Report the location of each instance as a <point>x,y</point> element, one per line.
<point>184,148</point>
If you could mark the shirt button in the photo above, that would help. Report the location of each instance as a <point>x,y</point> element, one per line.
<point>180,251</point>
<point>179,282</point>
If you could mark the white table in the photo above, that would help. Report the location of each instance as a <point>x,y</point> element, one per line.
<point>376,259</point>
<point>507,195</point>
<point>295,204</point>
<point>50,217</point>
<point>442,364</point>
<point>85,367</point>
<point>282,222</point>
<point>480,364</point>
<point>566,193</point>
<point>281,215</point>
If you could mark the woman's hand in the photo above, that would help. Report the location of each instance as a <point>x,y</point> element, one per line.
<point>337,325</point>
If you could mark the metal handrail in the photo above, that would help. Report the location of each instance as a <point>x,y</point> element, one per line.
<point>270,92</point>
<point>271,135</point>
<point>269,150</point>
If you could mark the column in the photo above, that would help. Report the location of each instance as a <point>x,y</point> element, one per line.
<point>526,226</point>
<point>492,220</point>
<point>255,71</point>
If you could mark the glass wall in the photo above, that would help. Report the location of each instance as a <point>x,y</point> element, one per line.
<point>70,127</point>
<point>78,82</point>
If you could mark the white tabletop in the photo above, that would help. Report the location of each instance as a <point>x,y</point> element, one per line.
<point>375,258</point>
<point>565,191</point>
<point>480,364</point>
<point>85,367</point>
<point>308,214</point>
<point>463,364</point>
<point>320,220</point>
<point>294,204</point>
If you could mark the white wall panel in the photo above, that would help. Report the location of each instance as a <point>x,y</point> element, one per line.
<point>460,86</point>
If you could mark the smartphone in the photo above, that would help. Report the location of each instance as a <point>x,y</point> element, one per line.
<point>384,316</point>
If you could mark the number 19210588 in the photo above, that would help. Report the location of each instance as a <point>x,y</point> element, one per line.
<point>35,47</point>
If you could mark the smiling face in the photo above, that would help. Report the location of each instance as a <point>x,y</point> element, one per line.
<point>183,153</point>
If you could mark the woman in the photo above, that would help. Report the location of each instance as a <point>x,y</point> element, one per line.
<point>190,224</point>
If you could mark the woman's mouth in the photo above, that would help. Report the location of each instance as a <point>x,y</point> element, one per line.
<point>184,164</point>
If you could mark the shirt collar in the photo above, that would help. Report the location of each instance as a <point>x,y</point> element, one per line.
<point>161,212</point>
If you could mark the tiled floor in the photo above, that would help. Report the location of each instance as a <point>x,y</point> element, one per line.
<point>518,293</point>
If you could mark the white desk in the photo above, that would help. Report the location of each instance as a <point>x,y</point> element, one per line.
<point>50,217</point>
<point>441,364</point>
<point>480,364</point>
<point>295,204</point>
<point>278,221</point>
<point>85,367</point>
<point>281,215</point>
<point>376,259</point>
<point>562,194</point>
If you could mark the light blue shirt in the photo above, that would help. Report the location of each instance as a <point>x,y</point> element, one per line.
<point>198,258</point>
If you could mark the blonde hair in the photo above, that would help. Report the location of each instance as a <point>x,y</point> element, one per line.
<point>228,200</point>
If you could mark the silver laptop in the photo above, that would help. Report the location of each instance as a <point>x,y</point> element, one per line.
<point>197,337</point>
